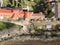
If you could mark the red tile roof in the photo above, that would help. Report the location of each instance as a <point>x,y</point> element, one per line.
<point>5,11</point>
<point>37,16</point>
<point>18,14</point>
<point>15,14</point>
<point>26,14</point>
<point>8,15</point>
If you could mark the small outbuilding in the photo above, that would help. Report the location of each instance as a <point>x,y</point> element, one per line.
<point>48,26</point>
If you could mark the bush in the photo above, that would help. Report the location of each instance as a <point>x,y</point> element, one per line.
<point>5,25</point>
<point>32,31</point>
<point>2,26</point>
<point>9,25</point>
<point>19,19</point>
<point>57,27</point>
<point>50,15</point>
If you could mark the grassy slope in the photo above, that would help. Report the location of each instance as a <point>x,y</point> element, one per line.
<point>5,25</point>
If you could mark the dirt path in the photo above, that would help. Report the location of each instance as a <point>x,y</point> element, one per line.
<point>32,42</point>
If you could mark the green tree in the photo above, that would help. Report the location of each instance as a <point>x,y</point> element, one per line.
<point>36,1</point>
<point>40,6</point>
<point>5,2</point>
<point>45,7</point>
<point>50,14</point>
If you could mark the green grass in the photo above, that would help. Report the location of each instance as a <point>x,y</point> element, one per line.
<point>5,25</point>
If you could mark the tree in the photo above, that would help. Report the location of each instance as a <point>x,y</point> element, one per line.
<point>11,3</point>
<point>5,2</point>
<point>50,14</point>
<point>39,7</point>
<point>36,1</point>
<point>45,7</point>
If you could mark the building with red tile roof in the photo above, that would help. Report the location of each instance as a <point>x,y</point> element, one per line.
<point>16,14</point>
<point>5,13</point>
<point>37,16</point>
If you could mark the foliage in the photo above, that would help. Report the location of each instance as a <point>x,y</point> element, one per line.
<point>38,30</point>
<point>32,31</point>
<point>19,19</point>
<point>35,5</point>
<point>57,27</point>
<point>9,19</point>
<point>50,14</point>
<point>20,3</point>
<point>14,4</point>
<point>45,7</point>
<point>36,1</point>
<point>2,26</point>
<point>9,25</point>
<point>39,6</point>
<point>5,25</point>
